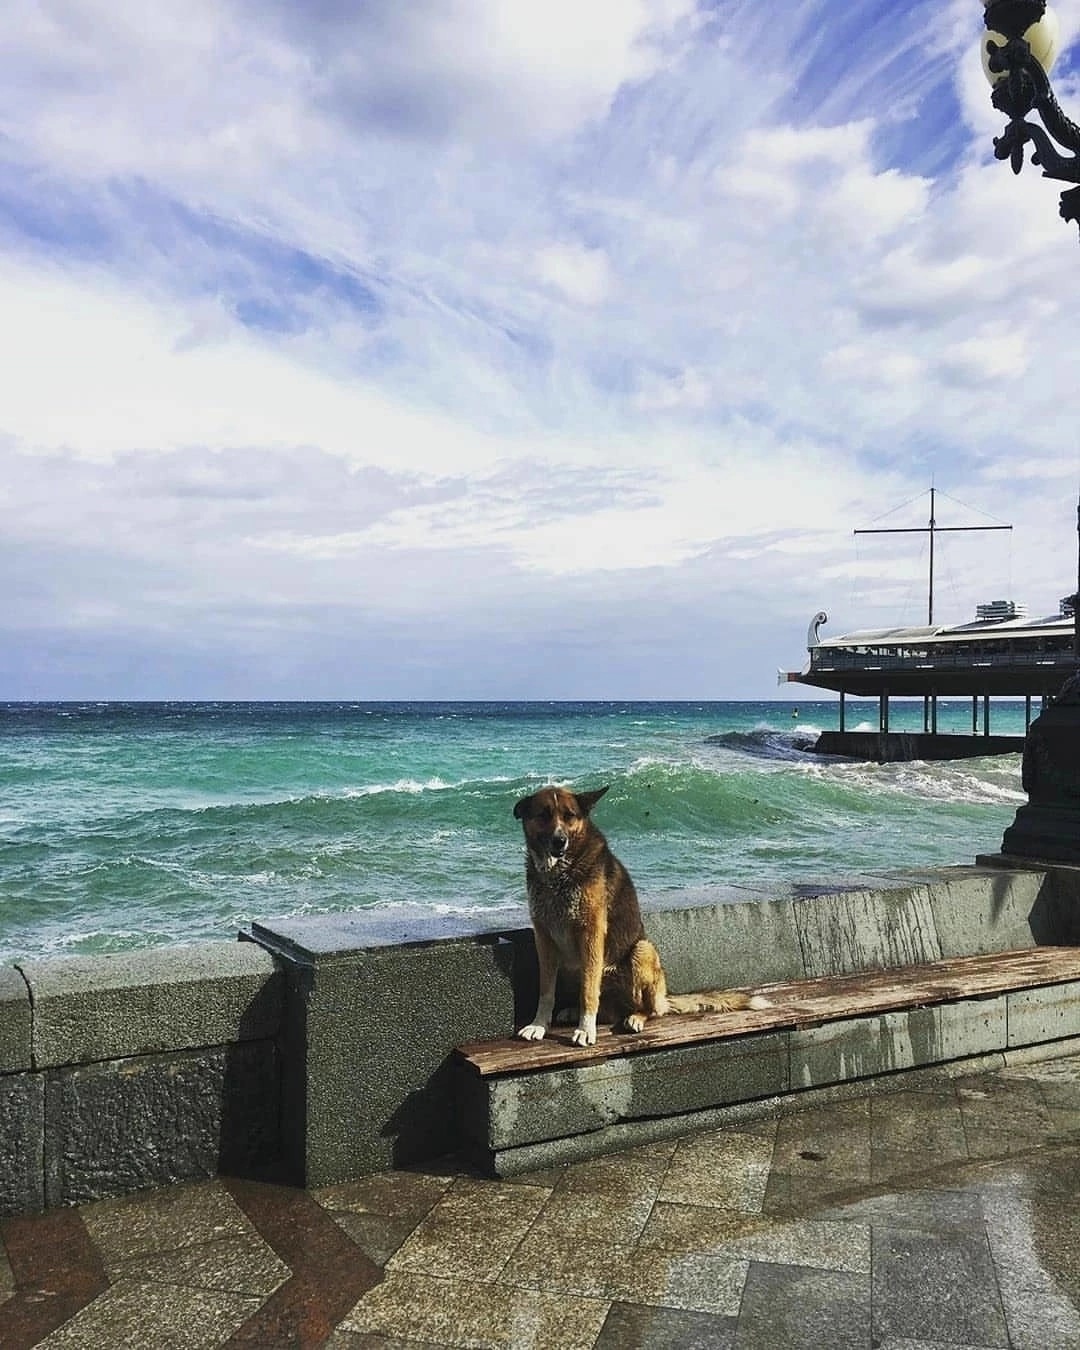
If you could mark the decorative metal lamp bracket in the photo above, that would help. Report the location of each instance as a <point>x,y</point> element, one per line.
<point>1025,89</point>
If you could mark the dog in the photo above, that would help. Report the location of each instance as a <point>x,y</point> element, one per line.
<point>586,919</point>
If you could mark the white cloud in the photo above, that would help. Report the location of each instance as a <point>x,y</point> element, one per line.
<point>689,388</point>
<point>582,275</point>
<point>96,370</point>
<point>994,355</point>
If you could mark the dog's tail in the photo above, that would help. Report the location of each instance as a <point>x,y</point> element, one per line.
<point>716,1000</point>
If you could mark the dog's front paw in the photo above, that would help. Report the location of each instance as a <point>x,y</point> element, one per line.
<point>535,1031</point>
<point>634,1022</point>
<point>585,1031</point>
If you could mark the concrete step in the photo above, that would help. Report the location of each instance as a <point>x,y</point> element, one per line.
<point>524,1105</point>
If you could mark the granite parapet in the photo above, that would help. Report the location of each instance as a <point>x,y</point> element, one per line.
<point>15,1021</point>
<point>92,1008</point>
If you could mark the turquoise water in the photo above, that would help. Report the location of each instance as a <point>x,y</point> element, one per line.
<point>126,825</point>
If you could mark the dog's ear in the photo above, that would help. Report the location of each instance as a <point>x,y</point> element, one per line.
<point>521,808</point>
<point>587,800</point>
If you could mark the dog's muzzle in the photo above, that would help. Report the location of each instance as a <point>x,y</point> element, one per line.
<point>559,844</point>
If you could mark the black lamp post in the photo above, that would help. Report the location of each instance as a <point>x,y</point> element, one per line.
<point>1018,51</point>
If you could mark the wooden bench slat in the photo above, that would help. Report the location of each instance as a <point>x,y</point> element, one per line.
<point>798,1003</point>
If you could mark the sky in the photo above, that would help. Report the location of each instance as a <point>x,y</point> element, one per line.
<point>490,349</point>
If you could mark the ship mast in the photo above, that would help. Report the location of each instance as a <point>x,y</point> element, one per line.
<point>934,528</point>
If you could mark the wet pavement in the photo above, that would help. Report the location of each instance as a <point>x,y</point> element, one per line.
<point>939,1210</point>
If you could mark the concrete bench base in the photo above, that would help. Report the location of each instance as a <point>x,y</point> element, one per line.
<point>524,1106</point>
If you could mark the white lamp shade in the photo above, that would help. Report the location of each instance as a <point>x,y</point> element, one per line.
<point>1042,37</point>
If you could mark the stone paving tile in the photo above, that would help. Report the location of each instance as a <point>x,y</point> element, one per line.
<point>241,1265</point>
<point>992,1137</point>
<point>930,1210</point>
<point>906,1343</point>
<point>1042,1321</point>
<point>378,1236</point>
<point>56,1269</point>
<point>728,1169</point>
<point>163,1220</point>
<point>701,1228</point>
<point>788,1195</point>
<point>448,1312</point>
<point>599,1218</point>
<point>633,1172</point>
<point>329,1273</point>
<point>1065,1120</point>
<point>379,1212</point>
<point>1049,1172</point>
<point>1059,1082</point>
<point>367,1340</point>
<point>7,1279</point>
<point>907,1166</point>
<point>1026,1259</point>
<point>804,1309</point>
<point>820,1155</point>
<point>698,1281</point>
<point>1015,1089</point>
<point>837,1135</point>
<point>938,1285</point>
<point>607,1199</point>
<point>472,1231</point>
<point>918,1121</point>
<point>400,1194</point>
<point>1035,1243</point>
<point>664,1329</point>
<point>134,1316</point>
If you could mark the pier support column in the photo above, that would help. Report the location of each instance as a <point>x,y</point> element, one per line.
<point>986,714</point>
<point>842,727</point>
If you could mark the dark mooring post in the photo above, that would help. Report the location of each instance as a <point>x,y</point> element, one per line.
<point>1048,827</point>
<point>1017,43</point>
<point>1076,597</point>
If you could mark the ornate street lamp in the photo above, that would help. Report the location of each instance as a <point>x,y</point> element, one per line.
<point>1017,54</point>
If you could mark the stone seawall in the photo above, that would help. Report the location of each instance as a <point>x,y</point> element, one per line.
<point>319,1050</point>
<point>121,1072</point>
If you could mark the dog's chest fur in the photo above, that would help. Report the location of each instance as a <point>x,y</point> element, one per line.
<point>557,901</point>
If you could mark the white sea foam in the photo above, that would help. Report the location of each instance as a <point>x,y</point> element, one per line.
<point>939,780</point>
<point>411,787</point>
<point>954,785</point>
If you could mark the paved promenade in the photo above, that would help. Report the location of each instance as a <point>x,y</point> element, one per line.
<point>936,1211</point>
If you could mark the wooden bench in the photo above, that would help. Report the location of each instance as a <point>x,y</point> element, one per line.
<point>526,1104</point>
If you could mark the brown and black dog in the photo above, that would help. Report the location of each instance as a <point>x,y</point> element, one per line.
<point>586,919</point>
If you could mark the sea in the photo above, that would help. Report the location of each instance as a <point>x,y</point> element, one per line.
<point>128,825</point>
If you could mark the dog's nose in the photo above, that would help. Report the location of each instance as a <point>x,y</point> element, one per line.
<point>559,842</point>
